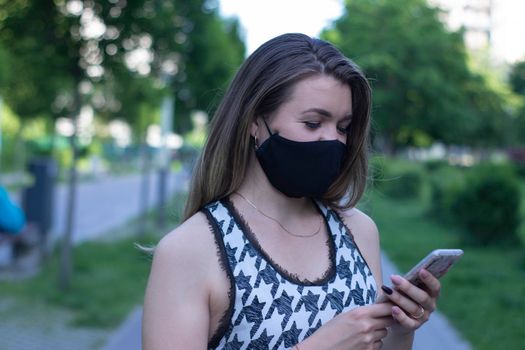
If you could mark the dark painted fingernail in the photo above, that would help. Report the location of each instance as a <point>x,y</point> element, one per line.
<point>387,290</point>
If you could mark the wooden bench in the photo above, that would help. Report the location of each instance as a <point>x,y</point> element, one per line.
<point>20,254</point>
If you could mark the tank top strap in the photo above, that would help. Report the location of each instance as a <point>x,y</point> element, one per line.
<point>232,243</point>
<point>347,249</point>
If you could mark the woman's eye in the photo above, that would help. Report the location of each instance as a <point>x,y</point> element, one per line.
<point>343,130</point>
<point>312,125</point>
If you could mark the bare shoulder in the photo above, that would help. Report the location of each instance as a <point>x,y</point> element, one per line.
<point>360,224</point>
<point>177,299</point>
<point>192,240</point>
<point>185,257</point>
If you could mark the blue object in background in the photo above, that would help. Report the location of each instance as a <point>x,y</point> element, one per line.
<point>12,218</point>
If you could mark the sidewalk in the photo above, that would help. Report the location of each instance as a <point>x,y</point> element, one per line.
<point>107,203</point>
<point>102,205</point>
<point>436,334</point>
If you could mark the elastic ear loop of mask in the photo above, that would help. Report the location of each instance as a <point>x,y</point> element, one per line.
<point>267,128</point>
<point>256,144</point>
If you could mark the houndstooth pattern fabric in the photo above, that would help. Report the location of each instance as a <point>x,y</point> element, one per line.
<point>269,309</point>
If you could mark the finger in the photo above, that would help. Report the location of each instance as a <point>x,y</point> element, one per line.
<point>381,298</point>
<point>384,322</point>
<point>417,294</point>
<point>432,283</point>
<point>380,334</point>
<point>408,305</point>
<point>377,345</point>
<point>377,310</point>
<point>403,319</point>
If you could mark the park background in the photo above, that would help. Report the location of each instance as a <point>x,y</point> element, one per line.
<point>104,95</point>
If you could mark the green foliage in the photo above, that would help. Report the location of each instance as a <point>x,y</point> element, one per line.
<point>518,126</point>
<point>423,88</point>
<point>517,78</point>
<point>214,55</point>
<point>396,178</point>
<point>486,121</point>
<point>4,67</point>
<point>488,207</point>
<point>519,168</point>
<point>43,59</point>
<point>446,182</point>
<point>203,49</point>
<point>54,57</point>
<point>486,281</point>
<point>435,164</point>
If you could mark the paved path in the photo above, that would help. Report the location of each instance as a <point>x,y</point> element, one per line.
<point>38,326</point>
<point>107,203</point>
<point>436,334</point>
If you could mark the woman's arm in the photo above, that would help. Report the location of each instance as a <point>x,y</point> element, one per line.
<point>176,305</point>
<point>406,298</point>
<point>366,236</point>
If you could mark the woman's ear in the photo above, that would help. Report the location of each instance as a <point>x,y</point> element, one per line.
<point>254,128</point>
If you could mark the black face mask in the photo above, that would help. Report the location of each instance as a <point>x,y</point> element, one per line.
<point>301,169</point>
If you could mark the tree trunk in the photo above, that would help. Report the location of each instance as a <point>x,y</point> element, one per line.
<point>66,258</point>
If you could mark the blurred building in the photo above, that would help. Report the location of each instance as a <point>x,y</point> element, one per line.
<point>493,25</point>
<point>474,15</point>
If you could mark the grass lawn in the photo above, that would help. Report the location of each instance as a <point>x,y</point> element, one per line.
<point>109,276</point>
<point>483,295</point>
<point>109,279</point>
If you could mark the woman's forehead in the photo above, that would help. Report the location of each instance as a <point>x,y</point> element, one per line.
<point>321,93</point>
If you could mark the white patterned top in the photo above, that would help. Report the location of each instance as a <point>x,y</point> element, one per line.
<point>271,309</point>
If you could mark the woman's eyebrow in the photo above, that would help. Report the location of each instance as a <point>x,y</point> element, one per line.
<point>323,112</point>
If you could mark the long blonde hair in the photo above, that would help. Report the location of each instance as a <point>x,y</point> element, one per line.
<point>262,84</point>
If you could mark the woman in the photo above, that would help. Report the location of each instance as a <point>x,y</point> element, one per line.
<point>272,253</point>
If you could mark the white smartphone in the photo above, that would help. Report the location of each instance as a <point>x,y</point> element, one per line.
<point>437,262</point>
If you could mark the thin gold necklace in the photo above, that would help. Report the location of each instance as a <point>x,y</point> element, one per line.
<point>277,221</point>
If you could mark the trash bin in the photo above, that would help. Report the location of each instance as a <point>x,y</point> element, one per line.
<point>38,199</point>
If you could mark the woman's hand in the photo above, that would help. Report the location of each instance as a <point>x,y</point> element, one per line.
<point>413,305</point>
<point>362,328</point>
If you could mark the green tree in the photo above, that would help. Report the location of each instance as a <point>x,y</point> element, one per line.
<point>517,78</point>
<point>4,67</point>
<point>189,43</point>
<point>48,66</point>
<point>517,83</point>
<point>211,62</point>
<point>194,53</point>
<point>63,46</point>
<point>423,88</point>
